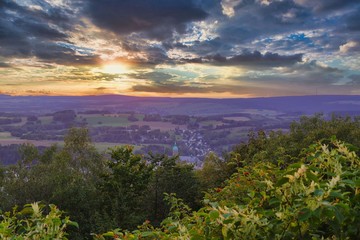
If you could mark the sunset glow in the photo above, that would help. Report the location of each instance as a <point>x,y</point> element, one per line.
<point>113,68</point>
<point>182,48</point>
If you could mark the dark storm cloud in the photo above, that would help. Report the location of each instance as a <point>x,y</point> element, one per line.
<point>253,20</point>
<point>326,5</point>
<point>353,21</point>
<point>158,18</point>
<point>286,26</point>
<point>27,32</point>
<point>255,59</point>
<point>62,55</point>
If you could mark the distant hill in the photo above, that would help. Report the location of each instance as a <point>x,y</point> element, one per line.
<point>188,106</point>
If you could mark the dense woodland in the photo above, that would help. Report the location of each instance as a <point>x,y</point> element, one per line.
<point>303,184</point>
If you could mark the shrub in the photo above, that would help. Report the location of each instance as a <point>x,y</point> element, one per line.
<point>31,223</point>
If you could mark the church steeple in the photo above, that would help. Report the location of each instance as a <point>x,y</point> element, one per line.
<point>175,150</point>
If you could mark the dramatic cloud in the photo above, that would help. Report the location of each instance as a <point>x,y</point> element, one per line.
<point>350,46</point>
<point>326,5</point>
<point>255,59</point>
<point>157,18</point>
<point>353,21</point>
<point>41,32</point>
<point>182,47</point>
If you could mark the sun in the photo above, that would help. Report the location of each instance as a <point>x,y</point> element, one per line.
<point>113,68</point>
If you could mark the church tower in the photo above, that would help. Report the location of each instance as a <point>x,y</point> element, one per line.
<point>175,150</point>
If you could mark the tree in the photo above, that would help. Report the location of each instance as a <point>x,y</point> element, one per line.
<point>66,116</point>
<point>315,198</point>
<point>283,149</point>
<point>171,176</point>
<point>66,177</point>
<point>123,188</point>
<point>214,172</point>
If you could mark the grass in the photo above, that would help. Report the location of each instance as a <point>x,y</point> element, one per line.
<point>45,119</point>
<point>238,132</point>
<point>5,135</point>
<point>210,122</point>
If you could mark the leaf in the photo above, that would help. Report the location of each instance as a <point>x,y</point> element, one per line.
<point>357,183</point>
<point>295,165</point>
<point>214,215</point>
<point>27,211</point>
<point>336,194</point>
<point>224,231</point>
<point>304,214</point>
<point>338,215</point>
<point>348,182</point>
<point>314,169</point>
<point>326,203</point>
<point>311,176</point>
<point>196,237</point>
<point>251,194</point>
<point>227,221</point>
<point>226,215</point>
<point>147,234</point>
<point>274,201</point>
<point>318,192</point>
<point>282,181</point>
<point>214,204</point>
<point>72,223</point>
<point>108,234</point>
<point>171,228</point>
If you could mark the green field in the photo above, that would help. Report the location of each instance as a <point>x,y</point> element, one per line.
<point>238,132</point>
<point>5,135</point>
<point>210,122</point>
<point>46,119</point>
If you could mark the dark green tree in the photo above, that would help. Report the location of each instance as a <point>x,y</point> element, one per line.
<point>171,176</point>
<point>123,188</point>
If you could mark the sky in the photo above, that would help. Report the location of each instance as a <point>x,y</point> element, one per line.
<point>180,48</point>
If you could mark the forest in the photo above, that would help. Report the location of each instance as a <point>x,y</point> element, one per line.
<point>302,184</point>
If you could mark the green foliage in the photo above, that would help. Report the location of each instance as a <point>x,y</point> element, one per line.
<point>31,223</point>
<point>123,188</point>
<point>315,198</point>
<point>65,177</point>
<point>170,176</point>
<point>286,148</point>
<point>28,153</point>
<point>214,172</point>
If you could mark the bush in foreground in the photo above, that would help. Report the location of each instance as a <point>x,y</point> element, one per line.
<point>316,198</point>
<point>32,223</point>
